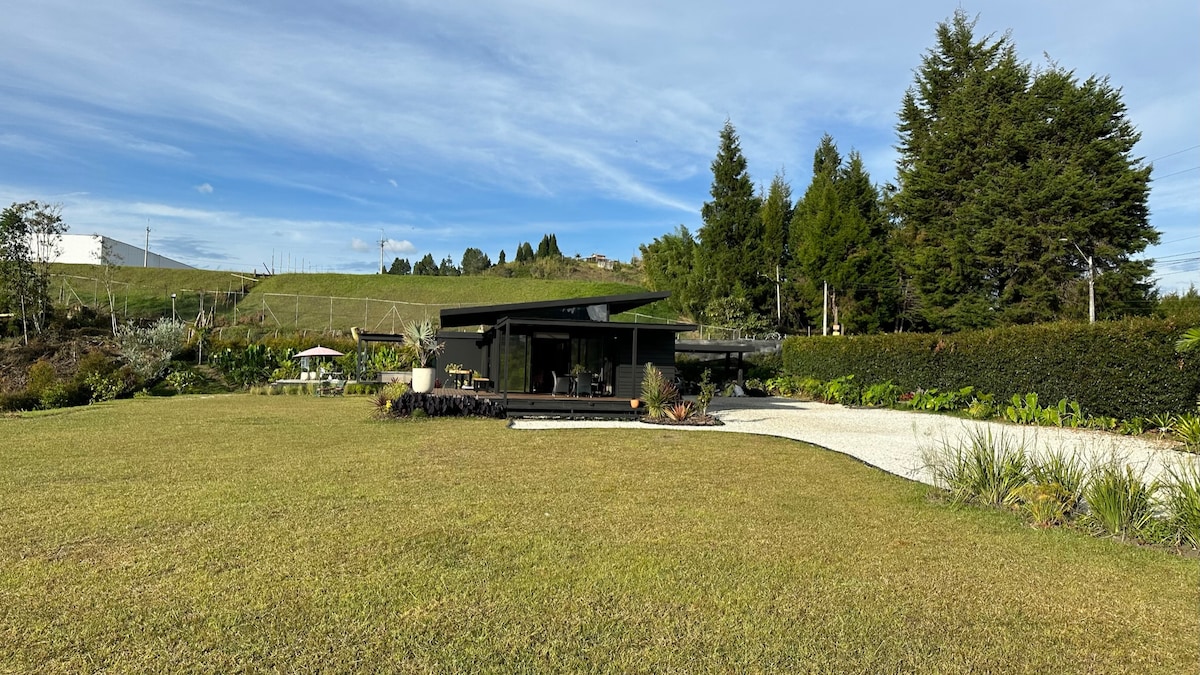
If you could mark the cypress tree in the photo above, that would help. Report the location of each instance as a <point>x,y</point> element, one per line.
<point>997,164</point>
<point>732,230</point>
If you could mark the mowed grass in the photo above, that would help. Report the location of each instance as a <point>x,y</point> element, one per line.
<point>250,533</point>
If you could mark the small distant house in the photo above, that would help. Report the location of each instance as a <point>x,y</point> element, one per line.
<point>600,260</point>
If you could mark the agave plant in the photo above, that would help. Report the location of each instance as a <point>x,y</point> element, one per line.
<point>683,410</point>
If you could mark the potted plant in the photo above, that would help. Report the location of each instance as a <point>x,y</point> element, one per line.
<point>423,341</point>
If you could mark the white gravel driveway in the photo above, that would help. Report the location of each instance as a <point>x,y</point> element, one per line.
<point>893,440</point>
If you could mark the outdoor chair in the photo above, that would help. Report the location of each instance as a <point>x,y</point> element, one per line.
<point>583,384</point>
<point>562,384</point>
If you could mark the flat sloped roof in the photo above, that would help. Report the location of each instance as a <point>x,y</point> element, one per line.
<point>489,315</point>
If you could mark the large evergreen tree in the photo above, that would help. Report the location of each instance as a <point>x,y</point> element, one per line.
<point>999,163</point>
<point>400,266</point>
<point>839,237</point>
<point>474,261</point>
<point>776,217</point>
<point>426,266</point>
<point>732,232</point>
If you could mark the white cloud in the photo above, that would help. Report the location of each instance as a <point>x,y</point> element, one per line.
<point>393,182</point>
<point>389,245</point>
<point>399,246</point>
<point>204,189</point>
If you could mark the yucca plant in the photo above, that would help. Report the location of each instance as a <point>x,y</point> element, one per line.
<point>1181,498</point>
<point>657,392</point>
<point>1119,500</point>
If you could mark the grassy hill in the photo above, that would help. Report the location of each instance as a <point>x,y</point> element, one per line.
<point>310,302</point>
<point>382,302</point>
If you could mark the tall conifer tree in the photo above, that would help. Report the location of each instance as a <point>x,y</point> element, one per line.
<point>732,230</point>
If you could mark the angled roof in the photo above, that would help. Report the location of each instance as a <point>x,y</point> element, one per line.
<point>489,315</point>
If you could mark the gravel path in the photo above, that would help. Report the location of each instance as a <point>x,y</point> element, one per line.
<point>893,440</point>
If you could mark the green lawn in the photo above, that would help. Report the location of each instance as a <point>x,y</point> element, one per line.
<point>251,533</point>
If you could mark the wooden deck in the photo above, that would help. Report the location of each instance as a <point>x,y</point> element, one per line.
<point>545,405</point>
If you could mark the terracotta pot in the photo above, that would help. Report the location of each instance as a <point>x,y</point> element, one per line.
<point>634,403</point>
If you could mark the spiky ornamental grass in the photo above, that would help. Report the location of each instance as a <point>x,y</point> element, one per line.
<point>1180,491</point>
<point>1119,501</point>
<point>982,468</point>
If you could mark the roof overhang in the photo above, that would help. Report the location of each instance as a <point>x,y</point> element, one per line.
<point>490,315</point>
<point>606,326</point>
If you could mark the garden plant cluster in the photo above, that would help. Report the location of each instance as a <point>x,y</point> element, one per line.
<point>1108,498</point>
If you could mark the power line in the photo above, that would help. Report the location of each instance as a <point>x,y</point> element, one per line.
<point>1176,255</point>
<point>1177,152</point>
<point>1176,173</point>
<point>1176,241</point>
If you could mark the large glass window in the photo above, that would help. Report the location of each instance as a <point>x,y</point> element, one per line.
<point>515,369</point>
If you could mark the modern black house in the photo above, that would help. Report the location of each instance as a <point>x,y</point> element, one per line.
<point>525,348</point>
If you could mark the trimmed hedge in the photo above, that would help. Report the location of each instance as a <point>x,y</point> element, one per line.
<point>1121,369</point>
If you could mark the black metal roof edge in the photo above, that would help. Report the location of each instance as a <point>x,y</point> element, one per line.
<point>627,300</point>
<point>577,323</point>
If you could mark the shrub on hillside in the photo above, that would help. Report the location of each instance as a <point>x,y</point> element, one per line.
<point>1121,369</point>
<point>149,349</point>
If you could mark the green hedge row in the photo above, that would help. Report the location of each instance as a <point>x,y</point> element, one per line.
<point>1121,369</point>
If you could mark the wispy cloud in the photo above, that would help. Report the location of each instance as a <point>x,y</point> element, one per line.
<point>325,121</point>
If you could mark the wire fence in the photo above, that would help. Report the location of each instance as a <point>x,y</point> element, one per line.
<point>252,315</point>
<point>331,313</point>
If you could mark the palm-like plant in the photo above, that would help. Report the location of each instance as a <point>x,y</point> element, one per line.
<point>423,341</point>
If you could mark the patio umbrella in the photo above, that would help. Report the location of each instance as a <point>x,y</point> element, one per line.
<point>316,352</point>
<point>319,351</point>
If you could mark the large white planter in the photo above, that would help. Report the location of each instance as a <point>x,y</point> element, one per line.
<point>422,380</point>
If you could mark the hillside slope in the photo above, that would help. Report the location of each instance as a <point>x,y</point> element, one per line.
<point>382,302</point>
<point>306,302</point>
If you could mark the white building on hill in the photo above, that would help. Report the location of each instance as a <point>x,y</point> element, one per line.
<point>92,249</point>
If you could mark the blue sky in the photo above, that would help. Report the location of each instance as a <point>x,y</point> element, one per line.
<point>238,131</point>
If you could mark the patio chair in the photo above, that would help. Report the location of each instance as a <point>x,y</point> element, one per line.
<point>583,384</point>
<point>562,384</point>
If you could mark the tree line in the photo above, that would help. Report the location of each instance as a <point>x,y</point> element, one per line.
<point>474,261</point>
<point>1006,174</point>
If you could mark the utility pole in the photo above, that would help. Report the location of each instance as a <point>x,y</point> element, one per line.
<point>1091,263</point>
<point>146,253</point>
<point>1091,289</point>
<point>825,309</point>
<point>382,241</point>
<point>778,302</point>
